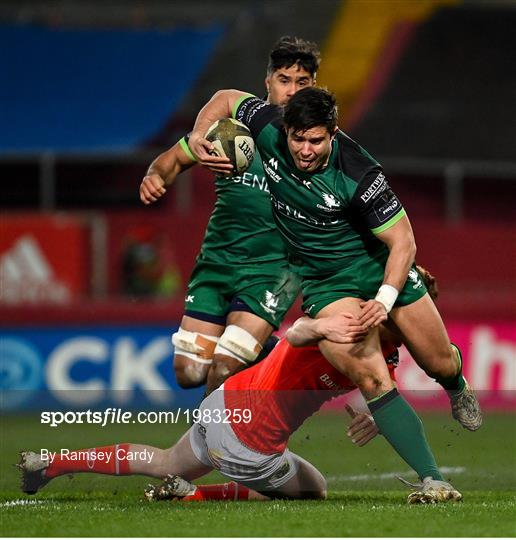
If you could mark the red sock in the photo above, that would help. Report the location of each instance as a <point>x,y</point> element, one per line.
<point>103,460</point>
<point>220,492</point>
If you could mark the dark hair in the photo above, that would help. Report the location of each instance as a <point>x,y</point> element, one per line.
<point>290,50</point>
<point>311,107</point>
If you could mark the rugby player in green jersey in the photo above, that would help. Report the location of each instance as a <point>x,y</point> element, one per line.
<point>240,288</point>
<point>350,240</point>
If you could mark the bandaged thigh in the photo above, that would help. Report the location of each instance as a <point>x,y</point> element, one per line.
<point>238,344</point>
<point>195,346</point>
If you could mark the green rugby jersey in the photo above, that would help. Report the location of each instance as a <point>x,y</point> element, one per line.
<point>327,218</point>
<point>241,229</point>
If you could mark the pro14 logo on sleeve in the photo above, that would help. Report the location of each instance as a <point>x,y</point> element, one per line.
<point>388,206</point>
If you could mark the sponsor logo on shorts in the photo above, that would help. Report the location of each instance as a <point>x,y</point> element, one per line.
<point>415,278</point>
<point>190,298</point>
<point>281,472</point>
<point>215,457</point>
<point>270,305</point>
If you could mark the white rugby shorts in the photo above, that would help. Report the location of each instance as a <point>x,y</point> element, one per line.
<point>216,445</point>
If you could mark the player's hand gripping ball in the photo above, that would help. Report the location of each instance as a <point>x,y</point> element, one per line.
<point>233,140</point>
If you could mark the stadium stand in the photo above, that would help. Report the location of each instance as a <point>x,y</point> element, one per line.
<point>83,90</point>
<point>452,94</point>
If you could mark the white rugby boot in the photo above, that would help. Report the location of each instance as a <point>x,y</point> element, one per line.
<point>32,468</point>
<point>466,408</point>
<point>431,491</point>
<point>173,487</point>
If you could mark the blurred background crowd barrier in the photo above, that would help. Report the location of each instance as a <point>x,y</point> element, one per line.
<point>92,283</point>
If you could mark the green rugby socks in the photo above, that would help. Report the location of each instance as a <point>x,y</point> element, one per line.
<point>403,429</point>
<point>457,382</point>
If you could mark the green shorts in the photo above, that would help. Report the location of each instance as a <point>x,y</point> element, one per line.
<point>361,279</point>
<point>269,289</point>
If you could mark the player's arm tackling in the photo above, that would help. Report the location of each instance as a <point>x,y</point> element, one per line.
<point>340,328</point>
<point>362,428</point>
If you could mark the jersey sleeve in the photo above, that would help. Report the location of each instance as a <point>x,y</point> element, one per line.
<point>255,113</point>
<point>375,201</point>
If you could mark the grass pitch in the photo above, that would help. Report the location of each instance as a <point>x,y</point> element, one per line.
<point>365,499</point>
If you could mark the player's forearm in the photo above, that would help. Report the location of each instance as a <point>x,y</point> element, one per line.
<point>401,257</point>
<point>303,332</point>
<point>343,327</point>
<point>219,106</point>
<point>399,239</point>
<point>170,164</point>
<point>168,174</point>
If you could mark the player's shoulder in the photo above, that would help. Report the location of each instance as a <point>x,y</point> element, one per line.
<point>351,159</point>
<point>245,104</point>
<point>256,113</point>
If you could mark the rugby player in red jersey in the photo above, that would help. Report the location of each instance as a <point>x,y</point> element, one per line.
<point>243,431</point>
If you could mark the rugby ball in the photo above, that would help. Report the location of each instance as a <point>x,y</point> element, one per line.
<point>233,140</point>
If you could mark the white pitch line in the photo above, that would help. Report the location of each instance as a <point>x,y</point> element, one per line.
<point>21,502</point>
<point>387,476</point>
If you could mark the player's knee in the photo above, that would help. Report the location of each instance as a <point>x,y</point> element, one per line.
<point>189,374</point>
<point>318,491</point>
<point>321,491</point>
<point>321,494</point>
<point>371,383</point>
<point>193,356</point>
<point>222,368</point>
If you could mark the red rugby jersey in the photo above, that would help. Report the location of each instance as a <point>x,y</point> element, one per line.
<point>281,392</point>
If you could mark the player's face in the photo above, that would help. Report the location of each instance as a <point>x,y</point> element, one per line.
<point>310,149</point>
<point>285,82</point>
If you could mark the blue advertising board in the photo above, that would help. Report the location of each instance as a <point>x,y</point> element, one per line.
<point>81,368</point>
